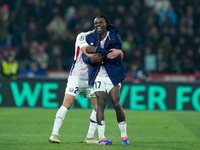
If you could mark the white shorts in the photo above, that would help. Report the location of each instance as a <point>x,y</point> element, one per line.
<point>76,85</point>
<point>103,83</point>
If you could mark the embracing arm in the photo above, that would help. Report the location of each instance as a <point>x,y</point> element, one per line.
<point>115,53</point>
<point>86,59</point>
<point>112,55</point>
<point>83,49</point>
<point>92,60</point>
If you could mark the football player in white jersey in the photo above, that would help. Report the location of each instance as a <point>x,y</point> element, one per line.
<point>78,82</point>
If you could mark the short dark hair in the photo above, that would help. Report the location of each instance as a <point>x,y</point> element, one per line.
<point>104,17</point>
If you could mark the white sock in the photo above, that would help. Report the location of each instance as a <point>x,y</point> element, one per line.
<point>60,115</point>
<point>101,130</point>
<point>122,127</point>
<point>93,125</point>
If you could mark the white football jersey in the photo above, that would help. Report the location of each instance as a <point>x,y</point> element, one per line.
<point>79,68</point>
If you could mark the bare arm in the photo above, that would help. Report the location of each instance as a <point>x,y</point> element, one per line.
<point>90,49</point>
<point>83,49</point>
<point>95,57</point>
<point>115,53</point>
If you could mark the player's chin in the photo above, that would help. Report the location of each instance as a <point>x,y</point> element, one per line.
<point>99,31</point>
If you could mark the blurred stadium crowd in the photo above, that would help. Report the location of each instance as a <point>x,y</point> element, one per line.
<point>158,35</point>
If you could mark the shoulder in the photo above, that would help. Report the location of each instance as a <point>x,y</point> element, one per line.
<point>91,36</point>
<point>82,35</point>
<point>112,28</point>
<point>114,35</point>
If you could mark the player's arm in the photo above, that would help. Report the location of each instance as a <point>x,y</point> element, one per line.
<point>94,49</point>
<point>83,49</point>
<point>102,51</point>
<point>87,58</point>
<point>92,60</point>
<point>111,55</point>
<point>85,45</point>
<point>115,53</point>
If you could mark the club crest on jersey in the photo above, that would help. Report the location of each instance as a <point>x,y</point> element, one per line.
<point>81,38</point>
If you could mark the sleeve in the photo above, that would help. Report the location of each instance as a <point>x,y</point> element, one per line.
<point>87,60</point>
<point>81,40</point>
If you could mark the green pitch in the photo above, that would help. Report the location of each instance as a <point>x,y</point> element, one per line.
<point>30,128</point>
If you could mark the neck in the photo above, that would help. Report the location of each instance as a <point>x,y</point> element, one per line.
<point>103,35</point>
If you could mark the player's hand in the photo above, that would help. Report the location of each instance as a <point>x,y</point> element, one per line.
<point>97,58</point>
<point>90,49</point>
<point>114,53</point>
